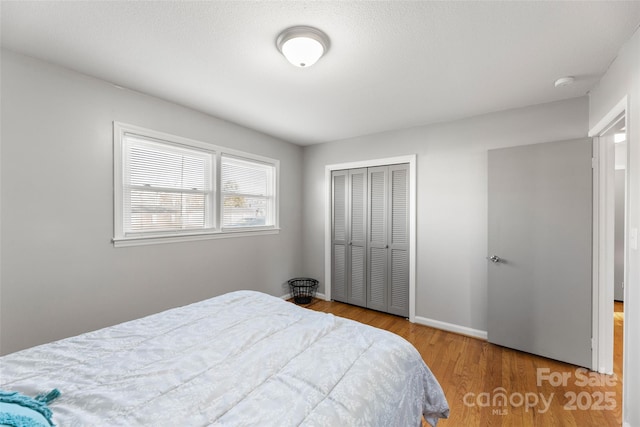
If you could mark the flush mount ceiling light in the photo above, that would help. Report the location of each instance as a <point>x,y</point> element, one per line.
<point>565,81</point>
<point>302,46</point>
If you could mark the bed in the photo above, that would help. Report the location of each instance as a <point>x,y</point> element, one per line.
<point>241,359</point>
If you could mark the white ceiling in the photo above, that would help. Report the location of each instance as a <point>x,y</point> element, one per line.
<point>391,64</point>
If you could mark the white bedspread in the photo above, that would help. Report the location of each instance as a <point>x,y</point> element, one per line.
<point>241,359</point>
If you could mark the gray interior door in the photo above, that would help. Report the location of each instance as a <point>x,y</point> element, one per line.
<point>398,292</point>
<point>357,245</point>
<point>339,235</point>
<point>348,236</point>
<point>377,261</point>
<point>388,239</point>
<point>540,249</point>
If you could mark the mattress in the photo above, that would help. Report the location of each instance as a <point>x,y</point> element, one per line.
<point>240,359</point>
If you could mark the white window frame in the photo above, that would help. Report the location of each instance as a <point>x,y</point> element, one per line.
<point>121,238</point>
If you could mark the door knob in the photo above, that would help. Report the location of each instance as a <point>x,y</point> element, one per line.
<point>495,259</point>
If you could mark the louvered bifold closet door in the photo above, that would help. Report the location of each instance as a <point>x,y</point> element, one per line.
<point>398,235</point>
<point>339,235</point>
<point>370,238</point>
<point>357,246</point>
<point>377,264</point>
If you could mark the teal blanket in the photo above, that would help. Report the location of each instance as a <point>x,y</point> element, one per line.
<point>19,410</point>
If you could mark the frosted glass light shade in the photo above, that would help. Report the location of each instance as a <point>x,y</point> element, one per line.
<point>302,46</point>
<point>302,51</point>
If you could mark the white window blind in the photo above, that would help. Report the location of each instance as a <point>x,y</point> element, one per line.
<point>248,193</point>
<point>166,187</point>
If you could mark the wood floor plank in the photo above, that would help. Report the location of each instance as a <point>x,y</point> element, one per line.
<point>475,375</point>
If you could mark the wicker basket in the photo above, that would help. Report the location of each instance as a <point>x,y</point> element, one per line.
<point>303,289</point>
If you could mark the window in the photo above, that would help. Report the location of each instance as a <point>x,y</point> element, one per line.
<point>247,193</point>
<point>166,189</point>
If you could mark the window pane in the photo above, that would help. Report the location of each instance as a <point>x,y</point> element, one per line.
<point>162,165</point>
<point>244,177</point>
<point>158,211</point>
<point>243,211</point>
<point>168,187</point>
<point>247,192</point>
<point>169,170</point>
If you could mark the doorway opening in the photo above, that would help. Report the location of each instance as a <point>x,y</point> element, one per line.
<point>617,132</point>
<point>610,250</point>
<point>620,171</point>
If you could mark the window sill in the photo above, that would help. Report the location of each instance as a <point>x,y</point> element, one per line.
<point>119,242</point>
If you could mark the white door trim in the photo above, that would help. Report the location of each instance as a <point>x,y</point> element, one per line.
<point>411,160</point>
<point>603,237</point>
<point>605,123</point>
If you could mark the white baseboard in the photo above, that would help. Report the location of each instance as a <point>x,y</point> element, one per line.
<point>319,295</point>
<point>450,327</point>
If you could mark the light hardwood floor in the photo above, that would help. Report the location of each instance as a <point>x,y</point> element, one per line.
<point>471,372</point>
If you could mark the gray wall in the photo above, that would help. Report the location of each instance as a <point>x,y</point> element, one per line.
<point>60,275</point>
<point>452,198</point>
<point>623,79</point>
